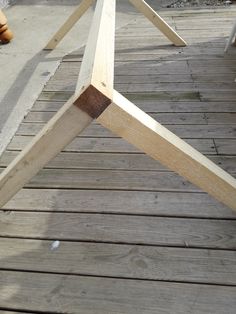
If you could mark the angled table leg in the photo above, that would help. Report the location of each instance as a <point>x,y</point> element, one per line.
<point>128,121</point>
<point>59,132</point>
<point>151,15</point>
<point>87,104</point>
<point>231,39</point>
<point>70,22</point>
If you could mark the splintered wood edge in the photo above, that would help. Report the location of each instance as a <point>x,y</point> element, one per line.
<point>93,102</point>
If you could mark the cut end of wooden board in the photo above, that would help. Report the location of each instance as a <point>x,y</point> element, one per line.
<point>93,102</point>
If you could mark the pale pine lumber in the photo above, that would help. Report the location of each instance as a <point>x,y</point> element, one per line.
<point>78,112</point>
<point>62,128</point>
<point>49,293</point>
<point>125,119</point>
<point>97,68</point>
<point>144,8</point>
<point>65,28</point>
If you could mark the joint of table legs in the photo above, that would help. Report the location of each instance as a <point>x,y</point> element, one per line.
<point>92,101</point>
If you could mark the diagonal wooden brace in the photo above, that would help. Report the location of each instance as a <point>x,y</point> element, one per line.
<point>70,121</point>
<point>140,5</point>
<point>159,22</point>
<point>128,121</point>
<point>69,23</point>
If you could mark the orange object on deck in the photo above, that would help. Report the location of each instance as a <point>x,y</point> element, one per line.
<point>6,34</point>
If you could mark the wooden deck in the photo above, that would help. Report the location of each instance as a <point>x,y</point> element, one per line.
<point>134,237</point>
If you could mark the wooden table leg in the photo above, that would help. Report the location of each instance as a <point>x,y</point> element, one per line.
<point>93,94</point>
<point>231,40</point>
<point>70,22</point>
<point>158,21</point>
<point>128,121</point>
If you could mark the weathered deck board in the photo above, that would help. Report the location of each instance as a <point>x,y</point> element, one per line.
<point>152,106</point>
<point>224,146</point>
<point>158,96</point>
<point>193,131</point>
<point>163,118</point>
<point>119,161</point>
<point>181,232</point>
<point>182,67</point>
<point>161,52</point>
<point>193,95</point>
<point>175,204</point>
<point>111,180</point>
<point>121,261</point>
<point>99,144</point>
<point>135,237</point>
<point>58,293</point>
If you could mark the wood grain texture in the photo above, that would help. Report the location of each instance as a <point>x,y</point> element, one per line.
<point>118,161</point>
<point>70,120</point>
<point>120,261</point>
<point>181,232</point>
<point>193,131</point>
<point>97,68</point>
<point>128,121</point>
<point>67,123</point>
<point>152,106</point>
<point>205,95</point>
<point>144,241</point>
<point>164,118</point>
<point>223,146</point>
<point>88,295</point>
<point>110,144</point>
<point>111,179</point>
<point>172,204</point>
